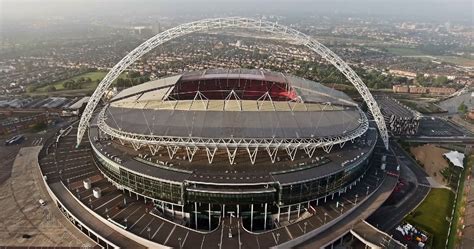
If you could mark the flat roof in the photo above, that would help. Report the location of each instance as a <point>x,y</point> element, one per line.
<point>237,124</point>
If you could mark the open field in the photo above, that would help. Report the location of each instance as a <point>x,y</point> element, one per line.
<point>94,76</point>
<point>405,51</point>
<point>416,53</point>
<point>431,157</point>
<point>86,87</point>
<point>431,215</point>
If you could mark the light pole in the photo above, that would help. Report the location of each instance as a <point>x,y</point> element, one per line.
<point>278,237</point>
<point>305,224</point>
<point>125,220</point>
<point>149,232</point>
<point>356,198</point>
<point>180,245</point>
<point>325,217</point>
<point>367,193</point>
<point>107,212</point>
<point>342,208</point>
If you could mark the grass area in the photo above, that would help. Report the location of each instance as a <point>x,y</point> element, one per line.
<point>414,52</point>
<point>431,215</point>
<point>94,76</point>
<point>460,205</point>
<point>405,51</point>
<point>458,60</point>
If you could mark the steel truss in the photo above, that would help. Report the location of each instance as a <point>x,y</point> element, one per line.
<point>233,22</point>
<point>211,145</point>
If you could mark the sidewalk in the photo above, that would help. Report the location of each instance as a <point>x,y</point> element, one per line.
<point>23,215</point>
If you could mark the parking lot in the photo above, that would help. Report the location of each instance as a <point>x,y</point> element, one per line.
<point>436,127</point>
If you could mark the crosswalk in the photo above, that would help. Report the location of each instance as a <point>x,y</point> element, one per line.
<point>37,141</point>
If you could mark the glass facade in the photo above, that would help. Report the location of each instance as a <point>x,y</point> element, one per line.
<point>161,190</point>
<point>310,190</point>
<point>189,192</point>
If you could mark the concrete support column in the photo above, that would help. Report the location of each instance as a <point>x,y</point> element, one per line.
<point>209,216</point>
<point>289,210</point>
<point>251,217</point>
<point>196,214</point>
<point>278,217</point>
<point>265,218</point>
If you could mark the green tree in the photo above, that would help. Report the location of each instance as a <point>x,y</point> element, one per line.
<point>462,108</point>
<point>51,89</point>
<point>441,80</point>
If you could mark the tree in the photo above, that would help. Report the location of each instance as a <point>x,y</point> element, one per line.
<point>462,108</point>
<point>51,89</point>
<point>441,80</point>
<point>420,79</point>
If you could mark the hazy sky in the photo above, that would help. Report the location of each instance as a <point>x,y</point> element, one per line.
<point>431,9</point>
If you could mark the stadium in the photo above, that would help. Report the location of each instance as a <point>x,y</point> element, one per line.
<point>250,143</point>
<point>267,158</point>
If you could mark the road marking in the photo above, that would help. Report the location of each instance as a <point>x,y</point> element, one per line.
<point>133,212</point>
<point>157,230</point>
<point>147,225</point>
<point>108,202</point>
<point>119,212</point>
<point>137,221</point>
<point>169,235</point>
<point>258,243</point>
<point>288,232</point>
<point>202,242</point>
<point>222,234</point>
<point>184,240</point>
<point>274,238</point>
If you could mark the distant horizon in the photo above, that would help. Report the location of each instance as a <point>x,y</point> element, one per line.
<point>430,10</point>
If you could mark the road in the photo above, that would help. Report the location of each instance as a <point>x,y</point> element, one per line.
<point>389,216</point>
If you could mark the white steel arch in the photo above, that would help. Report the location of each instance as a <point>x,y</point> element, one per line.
<point>233,22</point>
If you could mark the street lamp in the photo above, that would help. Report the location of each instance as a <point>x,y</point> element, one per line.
<point>367,193</point>
<point>325,217</point>
<point>180,245</point>
<point>125,220</point>
<point>305,224</point>
<point>278,237</point>
<point>356,198</point>
<point>148,229</point>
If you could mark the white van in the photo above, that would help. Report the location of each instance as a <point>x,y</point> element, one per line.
<point>42,202</point>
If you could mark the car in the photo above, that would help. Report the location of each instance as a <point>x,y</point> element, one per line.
<point>42,202</point>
